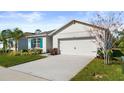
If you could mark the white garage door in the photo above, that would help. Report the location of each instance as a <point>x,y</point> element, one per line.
<point>78,47</point>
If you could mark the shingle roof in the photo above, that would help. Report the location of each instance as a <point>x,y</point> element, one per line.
<point>45,33</point>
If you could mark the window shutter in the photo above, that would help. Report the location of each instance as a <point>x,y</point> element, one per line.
<point>41,42</point>
<point>32,43</point>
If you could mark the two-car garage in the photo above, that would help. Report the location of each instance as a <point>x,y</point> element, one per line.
<point>78,46</point>
<point>75,38</point>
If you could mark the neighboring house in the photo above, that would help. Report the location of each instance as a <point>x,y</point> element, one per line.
<point>9,43</point>
<point>22,43</point>
<point>74,38</point>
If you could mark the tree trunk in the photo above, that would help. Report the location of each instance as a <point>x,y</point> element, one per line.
<point>105,57</point>
<point>16,45</point>
<point>4,46</point>
<point>106,48</point>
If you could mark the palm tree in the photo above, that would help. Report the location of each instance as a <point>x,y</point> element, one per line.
<point>0,37</point>
<point>16,35</point>
<point>5,34</point>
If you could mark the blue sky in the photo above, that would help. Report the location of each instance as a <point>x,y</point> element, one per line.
<point>44,20</point>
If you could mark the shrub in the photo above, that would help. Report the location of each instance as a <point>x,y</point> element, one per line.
<point>110,53</point>
<point>117,53</point>
<point>1,51</point>
<point>30,52</point>
<point>24,53</point>
<point>5,51</point>
<point>36,51</point>
<point>100,53</point>
<point>14,53</point>
<point>39,51</point>
<point>24,50</point>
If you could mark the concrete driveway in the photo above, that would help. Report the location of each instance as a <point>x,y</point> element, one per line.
<point>60,67</point>
<point>7,74</point>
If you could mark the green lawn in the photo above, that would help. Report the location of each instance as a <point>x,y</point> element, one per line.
<point>8,61</point>
<point>97,70</point>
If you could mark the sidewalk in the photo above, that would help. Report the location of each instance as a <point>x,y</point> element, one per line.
<point>11,75</point>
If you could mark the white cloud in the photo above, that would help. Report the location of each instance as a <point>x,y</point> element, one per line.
<point>31,23</point>
<point>29,17</point>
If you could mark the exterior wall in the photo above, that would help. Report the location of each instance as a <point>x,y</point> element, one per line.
<point>13,48</point>
<point>44,45</point>
<point>48,43</point>
<point>11,44</point>
<point>29,43</point>
<point>1,44</point>
<point>74,31</point>
<point>23,43</point>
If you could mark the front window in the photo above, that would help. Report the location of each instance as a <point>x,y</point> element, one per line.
<point>36,43</point>
<point>33,43</point>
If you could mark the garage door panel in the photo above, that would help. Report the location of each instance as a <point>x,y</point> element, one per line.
<point>66,47</point>
<point>78,47</point>
<point>85,47</point>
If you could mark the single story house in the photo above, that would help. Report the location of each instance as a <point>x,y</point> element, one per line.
<point>74,38</point>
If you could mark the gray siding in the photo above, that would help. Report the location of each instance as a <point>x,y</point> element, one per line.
<point>49,43</point>
<point>23,43</point>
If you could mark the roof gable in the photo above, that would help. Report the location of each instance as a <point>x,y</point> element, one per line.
<point>73,22</point>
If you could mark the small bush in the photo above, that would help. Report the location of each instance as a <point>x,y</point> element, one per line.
<point>5,51</point>
<point>39,51</point>
<point>24,53</point>
<point>30,52</point>
<point>24,50</point>
<point>100,53</point>
<point>14,53</point>
<point>117,53</point>
<point>1,51</point>
<point>110,53</point>
<point>36,51</point>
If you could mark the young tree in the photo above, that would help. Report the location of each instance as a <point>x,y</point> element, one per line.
<point>16,35</point>
<point>112,22</point>
<point>5,34</point>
